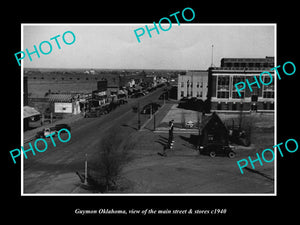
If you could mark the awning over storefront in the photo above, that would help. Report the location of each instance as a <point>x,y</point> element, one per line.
<point>29,112</point>
<point>60,98</point>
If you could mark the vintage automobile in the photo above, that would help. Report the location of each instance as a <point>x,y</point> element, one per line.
<point>214,149</point>
<point>150,108</point>
<point>61,126</point>
<point>45,132</point>
<point>49,130</point>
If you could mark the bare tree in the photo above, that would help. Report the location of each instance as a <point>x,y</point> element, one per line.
<point>106,169</point>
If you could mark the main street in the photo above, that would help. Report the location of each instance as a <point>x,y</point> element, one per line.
<point>53,171</point>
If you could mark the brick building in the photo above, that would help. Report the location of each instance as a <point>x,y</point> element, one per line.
<point>222,92</point>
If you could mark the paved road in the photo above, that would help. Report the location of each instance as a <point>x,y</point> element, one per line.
<point>52,171</point>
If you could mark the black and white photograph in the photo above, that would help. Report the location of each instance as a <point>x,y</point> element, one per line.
<point>160,116</point>
<point>120,110</point>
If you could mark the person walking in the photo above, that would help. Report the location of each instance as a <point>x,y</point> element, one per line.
<point>171,135</point>
<point>172,131</point>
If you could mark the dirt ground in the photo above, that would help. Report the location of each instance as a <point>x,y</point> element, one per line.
<point>184,170</point>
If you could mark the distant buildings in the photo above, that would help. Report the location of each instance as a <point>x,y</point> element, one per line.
<point>222,92</point>
<point>193,84</point>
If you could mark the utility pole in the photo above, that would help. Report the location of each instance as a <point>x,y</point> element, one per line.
<point>85,170</point>
<point>151,109</point>
<point>212,56</point>
<point>139,119</point>
<point>154,121</point>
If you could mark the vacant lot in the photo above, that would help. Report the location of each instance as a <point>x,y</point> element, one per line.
<point>184,170</point>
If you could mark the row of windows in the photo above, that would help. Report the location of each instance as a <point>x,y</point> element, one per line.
<point>190,84</point>
<point>223,87</point>
<point>228,64</point>
<point>199,94</point>
<point>225,94</point>
<point>224,106</point>
<point>224,80</point>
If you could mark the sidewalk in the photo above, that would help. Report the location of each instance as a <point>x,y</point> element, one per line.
<point>30,134</point>
<point>161,128</point>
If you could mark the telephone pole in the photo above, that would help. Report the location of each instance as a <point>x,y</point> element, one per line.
<point>139,119</point>
<point>85,170</point>
<point>212,56</point>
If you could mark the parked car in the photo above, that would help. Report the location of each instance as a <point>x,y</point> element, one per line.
<point>215,149</point>
<point>122,101</point>
<point>151,106</point>
<point>92,114</point>
<point>45,132</point>
<point>137,95</point>
<point>61,126</point>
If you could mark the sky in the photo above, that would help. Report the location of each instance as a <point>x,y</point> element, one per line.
<point>115,46</point>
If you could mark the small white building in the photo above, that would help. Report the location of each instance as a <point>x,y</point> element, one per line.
<point>193,84</point>
<point>64,103</point>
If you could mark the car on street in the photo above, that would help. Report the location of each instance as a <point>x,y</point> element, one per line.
<point>214,149</point>
<point>122,101</point>
<point>137,95</point>
<point>60,126</point>
<point>45,132</point>
<point>92,114</point>
<point>150,108</point>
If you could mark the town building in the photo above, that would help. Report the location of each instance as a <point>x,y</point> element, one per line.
<point>64,103</point>
<point>223,94</point>
<point>193,84</point>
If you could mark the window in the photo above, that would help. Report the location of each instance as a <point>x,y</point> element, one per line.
<point>268,94</point>
<point>223,87</point>
<point>197,84</point>
<point>236,95</point>
<point>182,93</point>
<point>234,106</point>
<point>223,94</point>
<point>268,90</point>
<point>182,84</point>
<point>235,80</point>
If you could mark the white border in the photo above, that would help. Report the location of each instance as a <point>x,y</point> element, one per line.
<point>144,194</point>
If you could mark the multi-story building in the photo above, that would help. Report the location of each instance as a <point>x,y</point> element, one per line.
<point>223,94</point>
<point>193,84</point>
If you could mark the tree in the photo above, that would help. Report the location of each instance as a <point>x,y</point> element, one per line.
<point>106,169</point>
